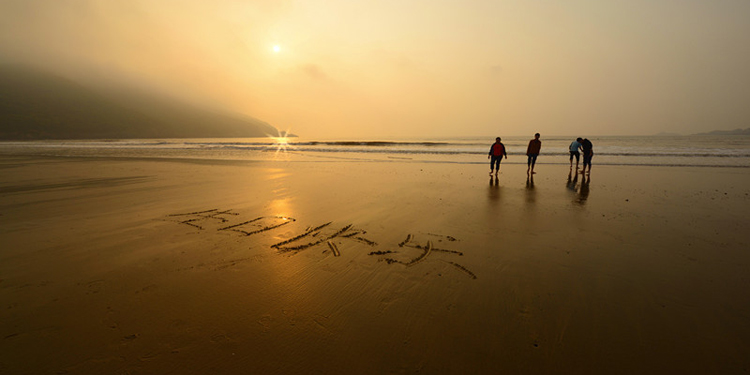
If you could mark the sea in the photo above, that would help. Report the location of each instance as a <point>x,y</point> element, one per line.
<point>729,151</point>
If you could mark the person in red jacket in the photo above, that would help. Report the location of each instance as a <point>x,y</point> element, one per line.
<point>497,151</point>
<point>535,145</point>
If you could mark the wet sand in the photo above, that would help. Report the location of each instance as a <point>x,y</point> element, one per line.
<point>126,266</point>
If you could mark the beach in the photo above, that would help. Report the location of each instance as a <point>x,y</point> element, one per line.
<point>123,265</point>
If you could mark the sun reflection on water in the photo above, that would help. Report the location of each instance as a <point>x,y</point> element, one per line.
<point>281,143</point>
<point>282,208</point>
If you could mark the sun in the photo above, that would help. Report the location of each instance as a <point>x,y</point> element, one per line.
<point>276,48</point>
<point>281,143</point>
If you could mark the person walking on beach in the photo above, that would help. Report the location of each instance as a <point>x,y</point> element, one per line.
<point>535,145</point>
<point>497,151</point>
<point>574,147</point>
<point>588,153</point>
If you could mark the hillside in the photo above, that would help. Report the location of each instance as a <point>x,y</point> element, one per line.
<point>728,132</point>
<point>37,105</point>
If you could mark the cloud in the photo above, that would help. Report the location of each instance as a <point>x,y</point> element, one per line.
<point>314,71</point>
<point>496,69</point>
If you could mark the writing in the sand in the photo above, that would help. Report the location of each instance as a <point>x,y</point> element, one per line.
<point>409,252</point>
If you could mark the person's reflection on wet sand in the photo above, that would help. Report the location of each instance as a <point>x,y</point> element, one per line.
<point>572,181</point>
<point>583,192</point>
<point>530,193</point>
<point>494,192</point>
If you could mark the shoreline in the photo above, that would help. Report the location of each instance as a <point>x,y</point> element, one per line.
<point>334,158</point>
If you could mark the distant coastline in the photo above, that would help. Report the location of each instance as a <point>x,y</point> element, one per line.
<point>727,132</point>
<point>714,132</point>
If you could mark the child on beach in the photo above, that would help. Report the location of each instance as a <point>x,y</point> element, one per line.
<point>574,147</point>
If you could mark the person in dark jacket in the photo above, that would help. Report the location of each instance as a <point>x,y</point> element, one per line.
<point>588,153</point>
<point>535,145</point>
<point>497,151</point>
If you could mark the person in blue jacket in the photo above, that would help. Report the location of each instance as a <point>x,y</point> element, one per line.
<point>575,147</point>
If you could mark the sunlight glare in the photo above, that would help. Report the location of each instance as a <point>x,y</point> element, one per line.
<point>276,48</point>
<point>281,141</point>
<point>281,144</point>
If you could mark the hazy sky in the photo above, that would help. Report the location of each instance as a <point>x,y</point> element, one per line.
<point>364,68</point>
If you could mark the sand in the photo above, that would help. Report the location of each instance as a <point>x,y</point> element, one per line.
<point>157,266</point>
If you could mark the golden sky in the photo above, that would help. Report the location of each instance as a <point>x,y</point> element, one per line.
<point>364,68</point>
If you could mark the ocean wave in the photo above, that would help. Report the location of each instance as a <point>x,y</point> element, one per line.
<point>724,151</point>
<point>385,147</point>
<point>331,143</point>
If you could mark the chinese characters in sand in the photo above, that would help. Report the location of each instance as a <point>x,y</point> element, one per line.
<point>409,252</point>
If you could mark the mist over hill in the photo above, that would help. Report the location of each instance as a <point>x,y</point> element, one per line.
<point>39,105</point>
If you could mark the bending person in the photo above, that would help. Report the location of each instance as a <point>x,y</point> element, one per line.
<point>574,147</point>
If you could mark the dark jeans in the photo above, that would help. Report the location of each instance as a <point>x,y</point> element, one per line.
<point>495,162</point>
<point>532,159</point>
<point>587,159</point>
